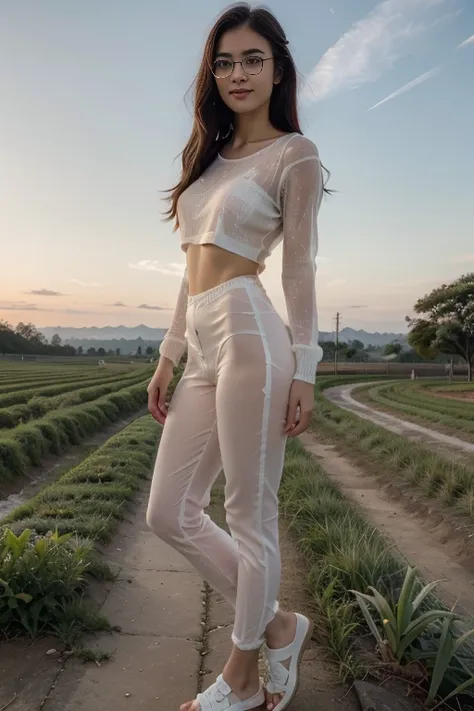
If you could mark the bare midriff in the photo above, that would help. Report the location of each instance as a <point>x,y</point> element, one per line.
<point>210,265</point>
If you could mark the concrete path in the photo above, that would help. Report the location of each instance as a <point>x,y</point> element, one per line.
<point>174,639</point>
<point>341,395</point>
<point>159,603</point>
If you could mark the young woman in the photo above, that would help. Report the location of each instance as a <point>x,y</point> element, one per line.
<point>249,181</point>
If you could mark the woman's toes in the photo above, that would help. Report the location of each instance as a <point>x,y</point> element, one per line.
<point>190,706</point>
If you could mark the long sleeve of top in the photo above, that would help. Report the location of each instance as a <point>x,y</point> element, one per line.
<point>301,194</point>
<point>174,343</point>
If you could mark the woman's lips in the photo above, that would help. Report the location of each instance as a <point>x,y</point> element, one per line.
<point>241,94</point>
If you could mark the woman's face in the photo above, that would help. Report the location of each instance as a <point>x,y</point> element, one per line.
<point>241,90</point>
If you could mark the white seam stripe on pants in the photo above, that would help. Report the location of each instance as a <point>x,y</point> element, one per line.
<point>228,413</point>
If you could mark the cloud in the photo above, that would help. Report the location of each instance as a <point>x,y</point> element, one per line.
<point>85,283</point>
<point>45,292</point>
<point>20,306</point>
<point>150,308</point>
<point>358,306</point>
<point>148,265</point>
<point>370,46</point>
<point>117,303</point>
<point>469,40</point>
<point>408,87</point>
<point>23,306</point>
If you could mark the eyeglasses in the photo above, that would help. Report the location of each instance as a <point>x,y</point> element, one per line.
<point>223,68</point>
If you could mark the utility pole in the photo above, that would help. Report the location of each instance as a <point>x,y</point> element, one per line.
<point>336,350</point>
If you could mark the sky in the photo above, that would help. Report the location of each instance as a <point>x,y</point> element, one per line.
<point>94,116</point>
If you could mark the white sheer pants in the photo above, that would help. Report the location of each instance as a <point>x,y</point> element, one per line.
<point>228,412</point>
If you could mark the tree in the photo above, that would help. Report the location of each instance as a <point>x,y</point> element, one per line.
<point>392,349</point>
<point>446,322</point>
<point>149,351</point>
<point>356,345</point>
<point>80,350</point>
<point>101,352</point>
<point>56,341</point>
<point>139,351</point>
<point>117,351</point>
<point>91,352</point>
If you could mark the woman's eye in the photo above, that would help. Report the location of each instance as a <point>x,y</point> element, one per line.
<point>222,63</point>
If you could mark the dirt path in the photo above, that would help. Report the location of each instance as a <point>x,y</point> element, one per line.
<point>427,543</point>
<point>174,639</point>
<point>22,488</point>
<point>341,395</point>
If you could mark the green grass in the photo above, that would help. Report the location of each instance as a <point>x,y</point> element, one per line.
<point>417,402</point>
<point>29,444</point>
<point>38,406</point>
<point>394,456</point>
<point>344,551</point>
<point>22,393</point>
<point>89,499</point>
<point>44,576</point>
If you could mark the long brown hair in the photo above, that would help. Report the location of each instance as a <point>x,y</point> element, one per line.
<point>212,125</point>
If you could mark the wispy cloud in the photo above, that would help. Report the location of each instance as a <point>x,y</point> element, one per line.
<point>117,303</point>
<point>151,308</point>
<point>45,292</point>
<point>358,306</point>
<point>149,265</point>
<point>18,306</point>
<point>370,46</point>
<point>469,40</point>
<point>23,306</point>
<point>408,87</point>
<point>85,283</point>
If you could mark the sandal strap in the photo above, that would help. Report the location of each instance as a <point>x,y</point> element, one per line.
<point>217,698</point>
<point>280,676</point>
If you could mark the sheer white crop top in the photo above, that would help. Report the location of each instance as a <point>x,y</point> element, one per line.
<point>247,206</point>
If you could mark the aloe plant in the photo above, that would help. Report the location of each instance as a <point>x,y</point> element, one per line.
<point>448,647</point>
<point>401,626</point>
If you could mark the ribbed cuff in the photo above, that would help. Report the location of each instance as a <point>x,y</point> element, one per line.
<point>307,359</point>
<point>172,348</point>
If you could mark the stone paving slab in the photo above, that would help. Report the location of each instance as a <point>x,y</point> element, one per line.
<point>145,551</point>
<point>163,604</point>
<point>145,673</point>
<point>27,673</point>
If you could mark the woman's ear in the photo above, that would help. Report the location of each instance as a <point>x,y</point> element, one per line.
<point>278,74</point>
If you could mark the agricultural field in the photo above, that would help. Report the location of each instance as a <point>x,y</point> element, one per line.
<point>371,550</point>
<point>445,407</point>
<point>47,408</point>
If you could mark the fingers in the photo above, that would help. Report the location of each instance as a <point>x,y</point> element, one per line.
<point>302,425</point>
<point>291,417</point>
<point>162,404</point>
<point>154,408</point>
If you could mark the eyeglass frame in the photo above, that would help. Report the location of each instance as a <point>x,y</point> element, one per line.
<point>241,62</point>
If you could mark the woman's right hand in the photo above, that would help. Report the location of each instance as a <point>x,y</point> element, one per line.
<point>158,389</point>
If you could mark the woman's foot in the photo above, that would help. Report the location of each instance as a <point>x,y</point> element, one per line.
<point>236,686</point>
<point>279,634</point>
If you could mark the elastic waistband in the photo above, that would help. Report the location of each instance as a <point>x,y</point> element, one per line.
<point>205,297</point>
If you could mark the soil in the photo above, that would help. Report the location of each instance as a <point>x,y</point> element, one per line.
<point>446,444</point>
<point>424,537</point>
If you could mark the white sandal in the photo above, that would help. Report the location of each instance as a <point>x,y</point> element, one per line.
<point>220,697</point>
<point>283,680</point>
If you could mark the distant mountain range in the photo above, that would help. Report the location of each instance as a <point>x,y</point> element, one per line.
<point>128,338</point>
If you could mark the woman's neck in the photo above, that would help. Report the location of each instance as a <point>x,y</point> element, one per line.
<point>253,128</point>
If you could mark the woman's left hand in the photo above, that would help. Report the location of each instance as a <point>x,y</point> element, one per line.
<point>302,399</point>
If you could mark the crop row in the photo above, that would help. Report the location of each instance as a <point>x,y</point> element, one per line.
<point>54,433</point>
<point>38,406</point>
